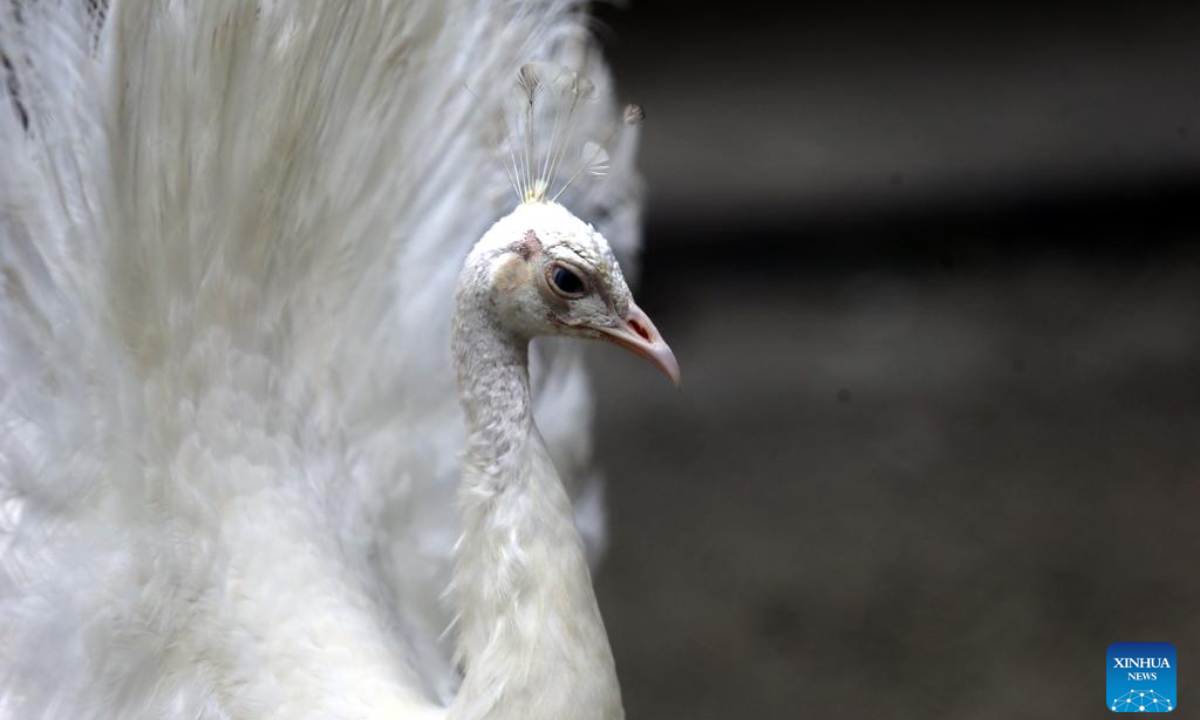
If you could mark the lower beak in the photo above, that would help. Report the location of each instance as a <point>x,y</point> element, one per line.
<point>635,332</point>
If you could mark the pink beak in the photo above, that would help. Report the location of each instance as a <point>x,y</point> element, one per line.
<point>635,332</point>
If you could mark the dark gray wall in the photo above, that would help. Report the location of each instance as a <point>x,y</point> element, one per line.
<point>931,276</point>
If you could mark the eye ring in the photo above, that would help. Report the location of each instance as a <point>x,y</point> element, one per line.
<point>566,281</point>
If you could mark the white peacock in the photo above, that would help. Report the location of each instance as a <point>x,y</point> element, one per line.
<point>232,477</point>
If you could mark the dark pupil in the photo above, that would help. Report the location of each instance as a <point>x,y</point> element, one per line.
<point>567,281</point>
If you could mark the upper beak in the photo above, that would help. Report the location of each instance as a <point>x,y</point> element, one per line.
<point>635,332</point>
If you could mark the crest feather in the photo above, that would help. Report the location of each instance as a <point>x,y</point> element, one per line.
<point>548,96</point>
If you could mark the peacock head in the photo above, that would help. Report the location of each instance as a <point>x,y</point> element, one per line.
<point>546,272</point>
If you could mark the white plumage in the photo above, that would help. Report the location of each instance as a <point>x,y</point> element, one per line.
<point>230,441</point>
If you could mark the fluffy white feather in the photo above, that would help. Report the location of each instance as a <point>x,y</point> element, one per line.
<point>229,438</point>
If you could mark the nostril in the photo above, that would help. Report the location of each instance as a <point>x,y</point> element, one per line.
<point>637,328</point>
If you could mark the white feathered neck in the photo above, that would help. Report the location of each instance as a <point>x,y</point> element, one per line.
<point>530,636</point>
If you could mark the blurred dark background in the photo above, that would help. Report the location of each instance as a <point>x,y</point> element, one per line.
<point>932,274</point>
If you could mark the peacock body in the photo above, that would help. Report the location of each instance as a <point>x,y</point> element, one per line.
<point>231,439</point>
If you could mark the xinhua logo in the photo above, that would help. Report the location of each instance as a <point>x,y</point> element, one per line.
<point>1141,677</point>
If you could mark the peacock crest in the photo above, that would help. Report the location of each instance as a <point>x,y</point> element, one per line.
<point>543,140</point>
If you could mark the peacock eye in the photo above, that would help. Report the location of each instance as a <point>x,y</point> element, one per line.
<point>566,282</point>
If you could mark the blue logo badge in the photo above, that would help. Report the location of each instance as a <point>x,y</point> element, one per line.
<point>1141,677</point>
